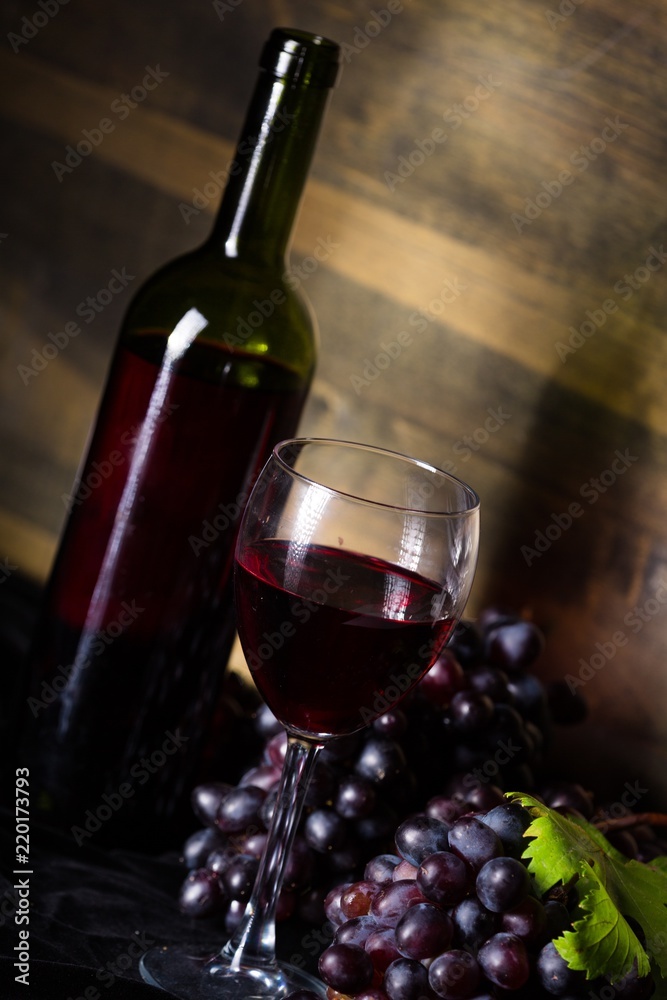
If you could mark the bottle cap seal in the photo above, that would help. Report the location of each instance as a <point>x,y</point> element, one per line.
<point>301,58</point>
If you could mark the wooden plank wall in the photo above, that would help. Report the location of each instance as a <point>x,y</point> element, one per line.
<point>490,179</point>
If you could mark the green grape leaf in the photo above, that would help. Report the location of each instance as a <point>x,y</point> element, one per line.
<point>610,887</point>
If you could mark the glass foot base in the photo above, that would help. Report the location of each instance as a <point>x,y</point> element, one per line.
<point>192,977</point>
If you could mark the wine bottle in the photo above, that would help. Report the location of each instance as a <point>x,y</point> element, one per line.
<point>212,368</point>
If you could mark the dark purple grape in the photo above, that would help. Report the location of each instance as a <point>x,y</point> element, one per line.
<point>382,948</point>
<point>251,843</point>
<point>381,868</point>
<point>529,698</point>
<point>392,724</point>
<point>206,800</point>
<point>218,860</point>
<point>502,883</point>
<point>356,930</point>
<point>510,822</point>
<point>454,975</point>
<point>633,986</point>
<point>346,968</point>
<point>240,808</point>
<point>393,900</point>
<point>372,994</point>
<point>557,919</point>
<point>332,901</point>
<point>324,830</point>
<point>419,836</point>
<point>300,865</point>
<point>234,915</point>
<point>514,646</point>
<point>355,797</point>
<point>490,681</point>
<point>201,894</point>
<point>473,923</point>
<point>239,876</point>
<point>406,979</point>
<point>266,723</point>
<point>444,878</point>
<point>470,711</point>
<point>504,961</point>
<point>527,921</point>
<point>569,796</point>
<point>475,842</point>
<point>423,931</point>
<point>199,845</point>
<point>443,680</point>
<point>265,776</point>
<point>446,808</point>
<point>554,973</point>
<point>276,749</point>
<point>382,761</point>
<point>484,797</point>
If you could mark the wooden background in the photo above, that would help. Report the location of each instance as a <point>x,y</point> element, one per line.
<point>520,92</point>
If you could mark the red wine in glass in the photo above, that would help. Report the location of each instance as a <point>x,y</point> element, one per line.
<point>354,632</point>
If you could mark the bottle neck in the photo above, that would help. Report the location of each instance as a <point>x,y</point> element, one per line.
<point>268,174</point>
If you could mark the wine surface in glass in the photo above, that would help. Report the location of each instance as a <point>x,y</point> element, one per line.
<point>333,637</point>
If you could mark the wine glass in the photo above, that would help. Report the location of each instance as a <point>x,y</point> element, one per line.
<point>353,566</point>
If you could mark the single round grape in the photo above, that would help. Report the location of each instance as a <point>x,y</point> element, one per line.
<point>471,711</point>
<point>275,749</point>
<point>382,761</point>
<point>264,776</point>
<point>443,680</point>
<point>529,698</point>
<point>527,921</point>
<point>484,797</point>
<point>557,918</point>
<point>240,808</point>
<point>444,878</point>
<point>490,681</point>
<point>423,931</point>
<point>454,975</point>
<point>325,830</point>
<point>206,800</point>
<point>504,961</point>
<point>201,894</point>
<point>381,868</point>
<point>514,646</point>
<point>502,883</point>
<point>382,948</point>
<point>569,796</point>
<point>239,877</point>
<point>266,723</point>
<point>199,845</point>
<point>406,979</point>
<point>633,986</point>
<point>510,822</point>
<point>446,808</point>
<point>218,860</point>
<point>393,900</point>
<point>356,930</point>
<point>234,915</point>
<point>357,898</point>
<point>419,836</point>
<point>473,841</point>
<point>332,902</point>
<point>300,865</point>
<point>346,968</point>
<point>554,973</point>
<point>355,797</point>
<point>393,723</point>
<point>252,843</point>
<point>473,923</point>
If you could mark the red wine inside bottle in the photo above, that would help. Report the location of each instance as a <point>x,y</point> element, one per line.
<point>213,365</point>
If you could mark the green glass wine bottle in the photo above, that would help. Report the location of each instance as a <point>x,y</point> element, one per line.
<point>213,366</point>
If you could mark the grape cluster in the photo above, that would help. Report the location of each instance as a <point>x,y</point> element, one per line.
<point>477,722</point>
<point>454,914</point>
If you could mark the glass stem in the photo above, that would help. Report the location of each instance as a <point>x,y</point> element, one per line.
<point>254,941</point>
